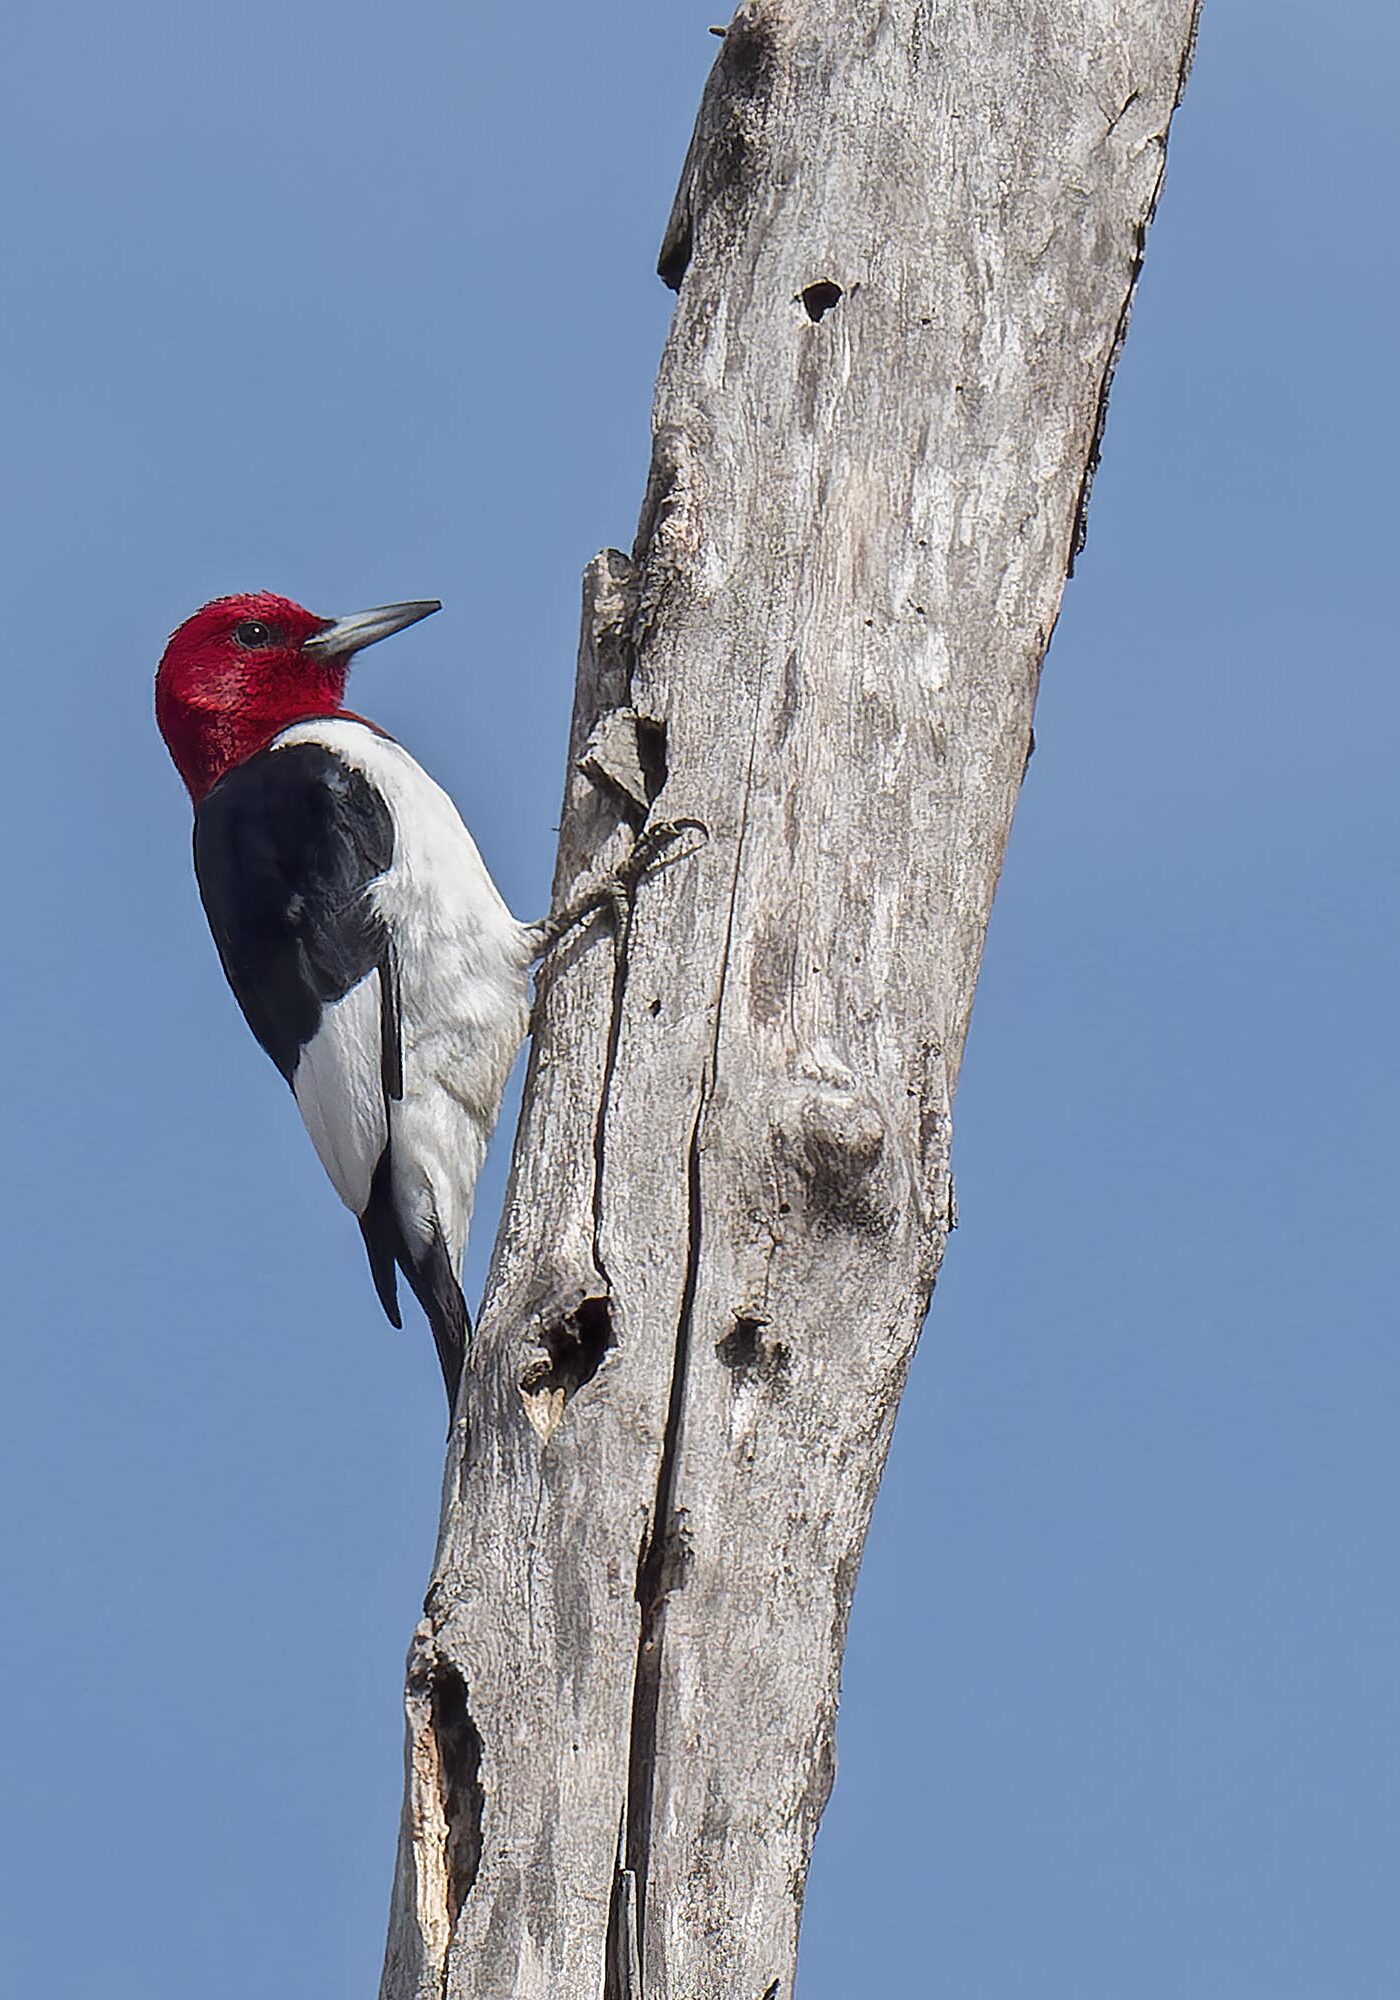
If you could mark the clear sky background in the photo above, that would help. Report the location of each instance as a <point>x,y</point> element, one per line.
<point>356,302</point>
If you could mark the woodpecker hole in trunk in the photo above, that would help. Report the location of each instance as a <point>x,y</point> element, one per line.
<point>819,298</point>
<point>574,1349</point>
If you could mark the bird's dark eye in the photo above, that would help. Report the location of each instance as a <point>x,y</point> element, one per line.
<point>252,632</point>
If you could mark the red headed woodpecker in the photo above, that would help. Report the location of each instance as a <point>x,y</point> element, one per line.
<point>356,923</point>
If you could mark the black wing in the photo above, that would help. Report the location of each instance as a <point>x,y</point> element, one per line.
<point>285,847</point>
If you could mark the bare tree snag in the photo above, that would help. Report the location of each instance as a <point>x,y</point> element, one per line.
<point>905,245</point>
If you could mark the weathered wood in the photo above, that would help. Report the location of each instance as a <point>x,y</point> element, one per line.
<point>905,244</point>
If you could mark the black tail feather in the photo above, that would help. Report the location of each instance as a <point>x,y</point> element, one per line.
<point>380,1228</point>
<point>434,1285</point>
<point>431,1279</point>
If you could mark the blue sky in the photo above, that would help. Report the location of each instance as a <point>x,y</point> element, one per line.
<point>358,304</point>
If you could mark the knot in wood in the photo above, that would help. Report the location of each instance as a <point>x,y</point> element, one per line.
<point>836,1143</point>
<point>751,1354</point>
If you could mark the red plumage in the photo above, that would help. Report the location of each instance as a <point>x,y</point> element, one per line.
<point>219,701</point>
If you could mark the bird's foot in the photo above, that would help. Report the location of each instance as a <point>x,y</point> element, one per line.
<point>614,892</point>
<point>648,850</point>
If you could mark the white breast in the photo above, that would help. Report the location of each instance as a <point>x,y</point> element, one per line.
<point>462,962</point>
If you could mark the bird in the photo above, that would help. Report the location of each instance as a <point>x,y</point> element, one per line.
<point>371,954</point>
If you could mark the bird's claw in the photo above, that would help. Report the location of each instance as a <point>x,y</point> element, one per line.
<point>616,891</point>
<point>650,846</point>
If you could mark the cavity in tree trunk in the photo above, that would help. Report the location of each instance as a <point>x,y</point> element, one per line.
<point>904,248</point>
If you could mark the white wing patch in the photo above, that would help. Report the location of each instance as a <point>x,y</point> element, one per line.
<point>340,1092</point>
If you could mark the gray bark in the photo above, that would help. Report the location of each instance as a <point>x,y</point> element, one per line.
<point>905,245</point>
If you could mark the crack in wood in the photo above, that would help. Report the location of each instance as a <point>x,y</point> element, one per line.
<point>459,1780</point>
<point>652,769</point>
<point>659,1571</point>
<point>622,1973</point>
<point>663,1556</point>
<point>1121,113</point>
<point>622,926</point>
<point>447,1801</point>
<point>1080,534</point>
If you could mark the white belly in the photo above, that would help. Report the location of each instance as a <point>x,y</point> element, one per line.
<point>462,963</point>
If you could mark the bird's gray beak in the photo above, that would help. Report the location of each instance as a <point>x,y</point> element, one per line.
<point>362,628</point>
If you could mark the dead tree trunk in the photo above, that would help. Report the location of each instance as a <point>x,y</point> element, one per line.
<point>905,244</point>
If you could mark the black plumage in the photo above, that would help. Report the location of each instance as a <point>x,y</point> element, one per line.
<point>285,848</point>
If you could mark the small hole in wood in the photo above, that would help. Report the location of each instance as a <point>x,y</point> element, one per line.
<point>651,754</point>
<point>820,298</point>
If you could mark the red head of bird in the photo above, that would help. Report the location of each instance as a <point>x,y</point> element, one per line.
<point>243,668</point>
